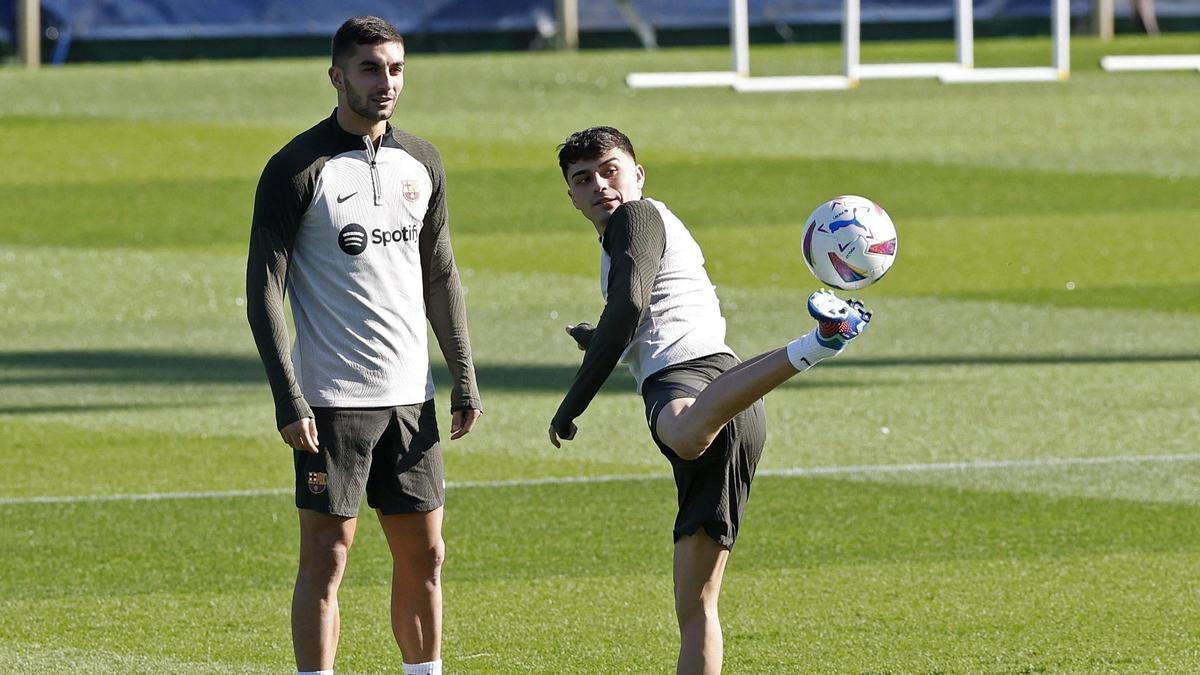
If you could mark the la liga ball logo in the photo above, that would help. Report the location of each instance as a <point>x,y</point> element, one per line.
<point>353,239</point>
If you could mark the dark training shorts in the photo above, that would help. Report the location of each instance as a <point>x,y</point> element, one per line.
<point>392,454</point>
<point>714,487</point>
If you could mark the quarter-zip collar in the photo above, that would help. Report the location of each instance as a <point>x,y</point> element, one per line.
<point>350,140</point>
<point>375,189</point>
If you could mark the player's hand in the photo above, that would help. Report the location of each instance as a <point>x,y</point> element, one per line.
<point>301,435</point>
<point>581,333</point>
<point>570,436</point>
<point>461,422</point>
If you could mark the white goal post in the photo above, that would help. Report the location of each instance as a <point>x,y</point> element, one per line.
<point>961,70</point>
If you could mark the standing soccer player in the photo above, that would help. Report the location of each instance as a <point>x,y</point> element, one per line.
<point>350,217</point>
<point>704,409</point>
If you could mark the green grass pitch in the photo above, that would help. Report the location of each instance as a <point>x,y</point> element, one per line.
<point>1001,476</point>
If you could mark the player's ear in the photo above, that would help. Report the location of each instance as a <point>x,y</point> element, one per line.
<point>641,176</point>
<point>337,78</point>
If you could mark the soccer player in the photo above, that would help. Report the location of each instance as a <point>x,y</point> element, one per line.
<point>350,217</point>
<point>703,406</point>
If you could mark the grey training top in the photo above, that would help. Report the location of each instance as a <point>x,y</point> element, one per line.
<point>358,236</point>
<point>660,306</point>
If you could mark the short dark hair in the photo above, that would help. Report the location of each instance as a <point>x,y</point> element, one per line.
<point>363,30</point>
<point>590,144</point>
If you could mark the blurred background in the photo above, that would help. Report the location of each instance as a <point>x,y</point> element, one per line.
<point>104,30</point>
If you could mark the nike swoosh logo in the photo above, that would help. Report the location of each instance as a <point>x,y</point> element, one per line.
<point>342,199</point>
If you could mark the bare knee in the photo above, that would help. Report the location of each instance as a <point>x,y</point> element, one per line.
<point>686,442</point>
<point>682,434</point>
<point>424,562</point>
<point>433,557</point>
<point>690,608</point>
<point>323,563</point>
<point>689,449</point>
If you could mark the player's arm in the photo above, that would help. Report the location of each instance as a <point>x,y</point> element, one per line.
<point>277,210</point>
<point>635,239</point>
<point>446,308</point>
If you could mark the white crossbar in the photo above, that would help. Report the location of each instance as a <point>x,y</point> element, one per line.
<point>991,75</point>
<point>899,71</point>
<point>793,83</point>
<point>1162,62</point>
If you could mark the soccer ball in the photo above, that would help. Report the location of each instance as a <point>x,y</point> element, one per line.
<point>849,243</point>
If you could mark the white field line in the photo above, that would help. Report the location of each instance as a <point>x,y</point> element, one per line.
<point>800,472</point>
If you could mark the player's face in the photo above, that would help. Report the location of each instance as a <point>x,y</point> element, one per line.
<point>598,186</point>
<point>370,80</point>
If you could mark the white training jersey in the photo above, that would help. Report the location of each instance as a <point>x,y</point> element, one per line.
<point>359,235</point>
<point>683,318</point>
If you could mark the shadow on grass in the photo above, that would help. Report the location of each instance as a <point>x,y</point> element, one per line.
<point>76,409</point>
<point>154,367</point>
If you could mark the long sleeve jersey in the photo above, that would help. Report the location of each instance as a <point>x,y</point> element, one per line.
<point>660,306</point>
<point>358,236</point>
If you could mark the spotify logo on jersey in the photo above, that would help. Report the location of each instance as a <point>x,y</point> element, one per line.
<point>353,239</point>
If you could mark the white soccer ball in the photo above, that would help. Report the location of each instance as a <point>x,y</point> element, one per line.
<point>849,242</point>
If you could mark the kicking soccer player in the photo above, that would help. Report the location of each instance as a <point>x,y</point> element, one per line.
<point>703,406</point>
<point>350,216</point>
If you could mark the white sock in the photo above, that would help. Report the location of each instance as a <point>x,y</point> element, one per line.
<point>805,352</point>
<point>315,672</point>
<point>427,668</point>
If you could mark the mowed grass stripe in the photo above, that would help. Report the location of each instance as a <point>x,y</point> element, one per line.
<point>119,191</point>
<point>1021,238</point>
<point>583,530</point>
<point>965,580</point>
<point>1066,614</point>
<point>793,472</point>
<point>535,99</point>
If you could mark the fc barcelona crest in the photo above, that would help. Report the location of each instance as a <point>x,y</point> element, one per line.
<point>316,482</point>
<point>410,190</point>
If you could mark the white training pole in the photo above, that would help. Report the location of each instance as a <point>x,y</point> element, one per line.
<point>1062,38</point>
<point>1102,19</point>
<point>851,39</point>
<point>28,33</point>
<point>739,35</point>
<point>964,32</point>
<point>567,12</point>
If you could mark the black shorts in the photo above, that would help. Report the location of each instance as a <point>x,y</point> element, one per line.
<point>393,454</point>
<point>714,487</point>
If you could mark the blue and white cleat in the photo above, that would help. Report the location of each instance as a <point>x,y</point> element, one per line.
<point>839,321</point>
